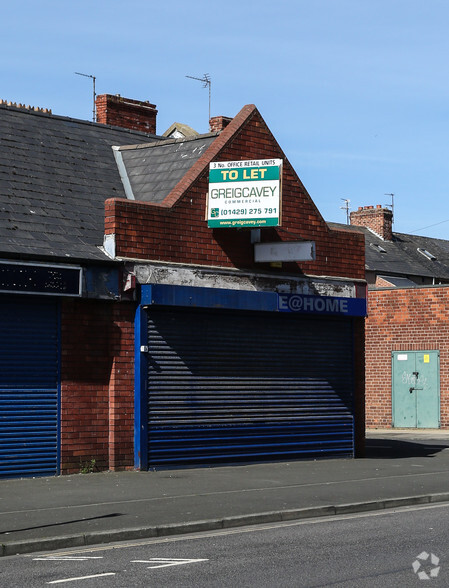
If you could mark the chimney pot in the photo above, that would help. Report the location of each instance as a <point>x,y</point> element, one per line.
<point>25,107</point>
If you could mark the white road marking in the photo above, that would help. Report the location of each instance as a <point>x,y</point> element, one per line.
<point>165,562</point>
<point>67,558</point>
<point>81,578</point>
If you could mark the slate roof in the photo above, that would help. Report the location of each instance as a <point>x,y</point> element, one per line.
<point>400,257</point>
<point>154,170</point>
<point>55,174</point>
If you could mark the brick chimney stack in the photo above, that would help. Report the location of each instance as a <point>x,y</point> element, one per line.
<point>218,123</point>
<point>379,220</point>
<point>126,113</point>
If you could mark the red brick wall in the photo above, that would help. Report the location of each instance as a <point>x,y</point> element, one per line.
<point>359,386</point>
<point>121,389</point>
<point>177,230</point>
<point>399,320</point>
<point>97,374</point>
<point>126,113</point>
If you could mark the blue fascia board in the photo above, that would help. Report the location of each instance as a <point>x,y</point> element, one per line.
<point>322,305</point>
<point>162,294</point>
<point>190,296</point>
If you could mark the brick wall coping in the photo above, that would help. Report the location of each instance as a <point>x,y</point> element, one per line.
<point>348,229</point>
<point>417,287</point>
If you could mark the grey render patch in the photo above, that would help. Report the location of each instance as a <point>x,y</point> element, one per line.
<point>159,273</point>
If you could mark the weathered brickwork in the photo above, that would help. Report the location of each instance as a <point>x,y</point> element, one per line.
<point>176,229</point>
<point>404,320</point>
<point>97,374</point>
<point>379,220</point>
<point>126,113</point>
<point>218,123</point>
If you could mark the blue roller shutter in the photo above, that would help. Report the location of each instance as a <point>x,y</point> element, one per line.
<point>228,386</point>
<point>29,387</point>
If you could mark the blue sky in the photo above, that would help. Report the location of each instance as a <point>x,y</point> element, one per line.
<point>356,92</point>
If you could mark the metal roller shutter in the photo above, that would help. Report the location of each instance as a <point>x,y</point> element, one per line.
<point>231,386</point>
<point>29,374</point>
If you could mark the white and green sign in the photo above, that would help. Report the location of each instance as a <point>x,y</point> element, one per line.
<point>244,193</point>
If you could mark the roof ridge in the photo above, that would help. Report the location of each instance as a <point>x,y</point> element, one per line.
<point>12,107</point>
<point>21,106</point>
<point>166,141</point>
<point>421,237</point>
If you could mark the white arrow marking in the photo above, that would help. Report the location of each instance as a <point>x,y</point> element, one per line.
<point>165,562</point>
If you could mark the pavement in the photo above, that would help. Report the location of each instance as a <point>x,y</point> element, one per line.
<point>401,468</point>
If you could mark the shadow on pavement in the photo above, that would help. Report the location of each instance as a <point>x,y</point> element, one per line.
<point>385,448</point>
<point>83,520</point>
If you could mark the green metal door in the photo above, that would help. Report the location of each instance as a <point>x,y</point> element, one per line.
<point>416,389</point>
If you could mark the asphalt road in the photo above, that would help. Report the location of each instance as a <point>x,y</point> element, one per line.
<point>378,549</point>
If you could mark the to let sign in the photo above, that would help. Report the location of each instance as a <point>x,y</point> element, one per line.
<point>244,193</point>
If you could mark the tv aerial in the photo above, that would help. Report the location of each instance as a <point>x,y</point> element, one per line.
<point>391,205</point>
<point>94,95</point>
<point>207,83</point>
<point>346,207</point>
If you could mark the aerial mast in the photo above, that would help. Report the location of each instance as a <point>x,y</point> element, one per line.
<point>94,94</point>
<point>207,83</point>
<point>391,206</point>
<point>346,207</point>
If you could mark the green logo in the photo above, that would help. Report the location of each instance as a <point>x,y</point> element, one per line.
<point>215,212</point>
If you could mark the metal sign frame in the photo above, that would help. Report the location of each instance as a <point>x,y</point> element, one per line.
<point>56,288</point>
<point>245,194</point>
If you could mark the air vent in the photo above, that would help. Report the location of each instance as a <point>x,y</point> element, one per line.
<point>377,247</point>
<point>426,254</point>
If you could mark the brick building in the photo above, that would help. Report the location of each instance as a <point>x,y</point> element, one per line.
<point>407,330</point>
<point>138,334</point>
